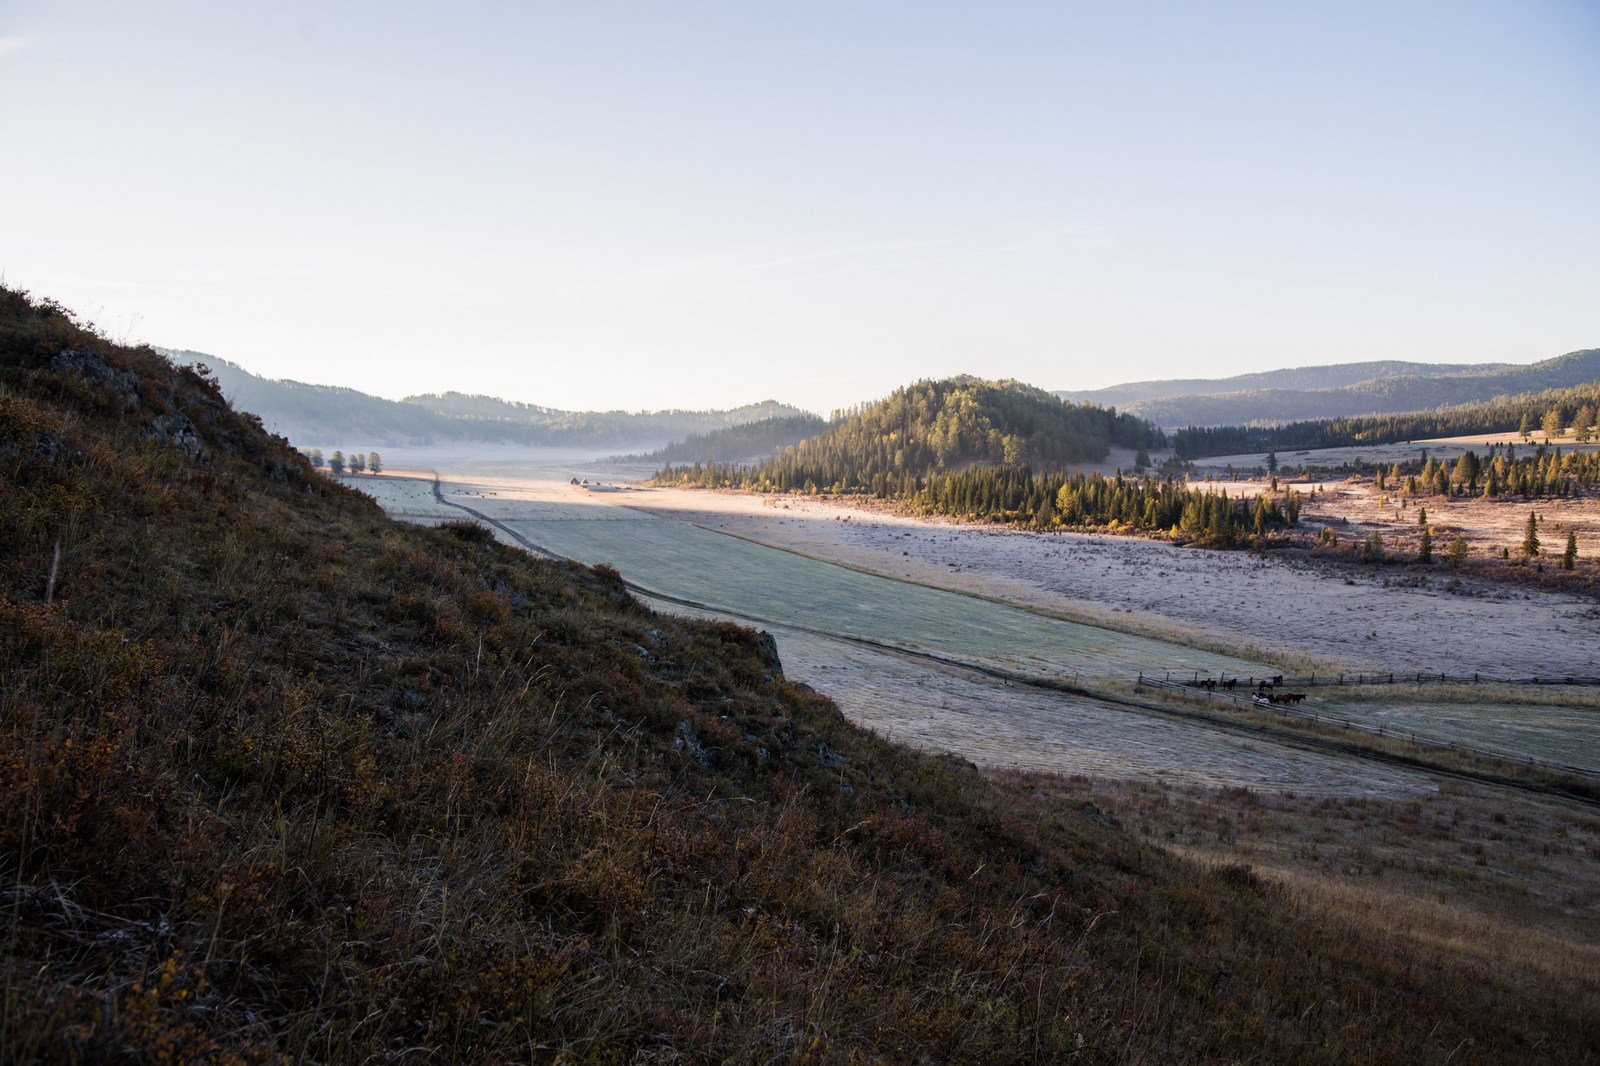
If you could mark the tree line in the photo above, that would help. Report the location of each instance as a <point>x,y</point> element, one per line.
<point>340,463</point>
<point>1017,496</point>
<point>1553,412</point>
<point>1118,503</point>
<point>1543,471</point>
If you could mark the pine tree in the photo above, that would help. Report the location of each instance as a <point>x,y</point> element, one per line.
<point>1530,540</point>
<point>1553,424</point>
<point>1456,554</point>
<point>1569,558</point>
<point>1425,551</point>
<point>1583,424</point>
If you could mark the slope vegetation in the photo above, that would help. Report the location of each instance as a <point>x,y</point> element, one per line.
<point>284,780</point>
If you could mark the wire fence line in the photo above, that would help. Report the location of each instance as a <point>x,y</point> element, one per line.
<point>1197,680</point>
<point>1262,703</point>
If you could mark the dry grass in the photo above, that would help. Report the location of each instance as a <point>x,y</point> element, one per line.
<point>1505,886</point>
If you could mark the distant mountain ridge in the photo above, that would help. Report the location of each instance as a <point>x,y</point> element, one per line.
<point>336,415</point>
<point>1338,391</point>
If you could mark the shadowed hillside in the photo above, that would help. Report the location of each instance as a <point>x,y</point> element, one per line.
<point>287,781</point>
<point>753,440</point>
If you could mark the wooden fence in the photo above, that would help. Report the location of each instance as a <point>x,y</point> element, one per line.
<point>1188,688</point>
<point>1391,678</point>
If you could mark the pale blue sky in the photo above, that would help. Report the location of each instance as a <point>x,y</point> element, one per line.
<point>689,204</point>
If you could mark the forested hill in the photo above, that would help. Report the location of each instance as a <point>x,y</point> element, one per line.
<point>332,415</point>
<point>1388,393</point>
<point>942,426</point>
<point>284,780</point>
<point>1573,409</point>
<point>737,444</point>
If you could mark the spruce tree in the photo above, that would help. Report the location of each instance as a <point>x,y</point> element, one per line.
<point>1425,551</point>
<point>1530,540</point>
<point>1569,558</point>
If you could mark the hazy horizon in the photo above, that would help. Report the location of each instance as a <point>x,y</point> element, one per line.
<point>824,412</point>
<point>629,206</point>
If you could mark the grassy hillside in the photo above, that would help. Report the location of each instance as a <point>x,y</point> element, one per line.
<point>331,415</point>
<point>285,780</point>
<point>1384,394</point>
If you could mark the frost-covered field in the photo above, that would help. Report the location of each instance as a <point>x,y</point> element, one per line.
<point>1021,727</point>
<point>820,612</point>
<point>407,497</point>
<point>687,562</point>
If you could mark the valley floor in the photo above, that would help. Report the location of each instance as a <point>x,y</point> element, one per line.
<point>1284,609</point>
<point>1285,606</point>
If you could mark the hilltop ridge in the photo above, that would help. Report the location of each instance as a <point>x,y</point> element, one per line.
<point>1338,391</point>
<point>337,415</point>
